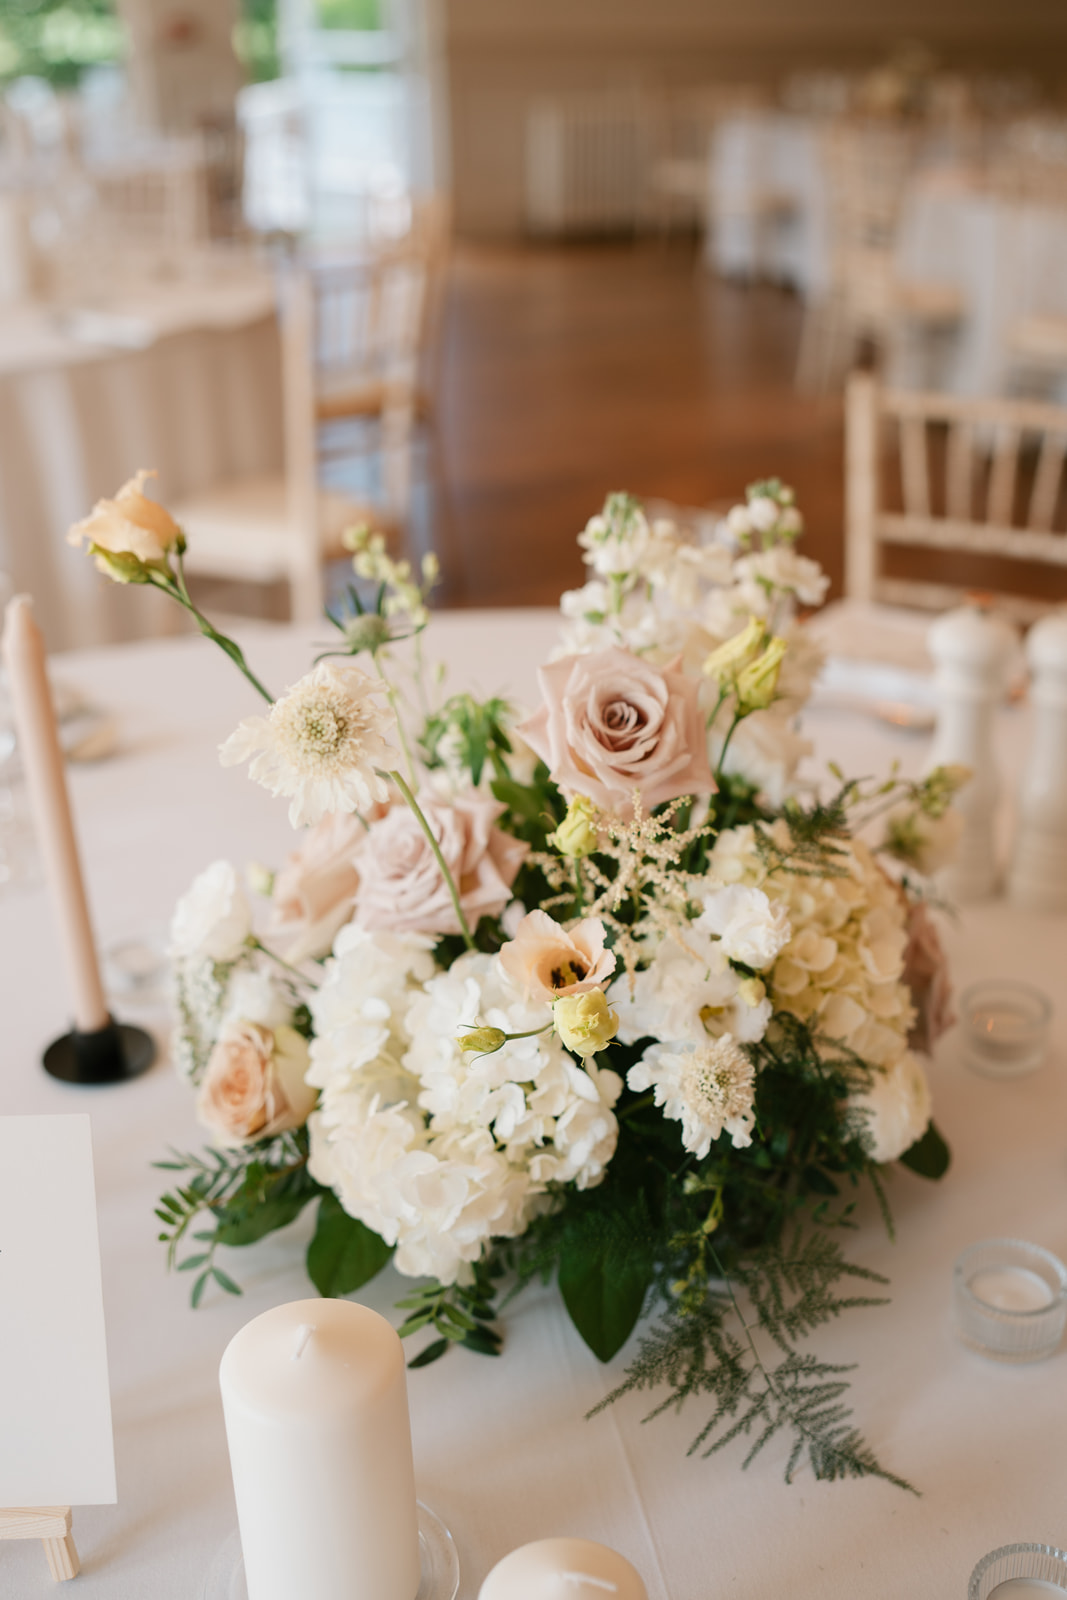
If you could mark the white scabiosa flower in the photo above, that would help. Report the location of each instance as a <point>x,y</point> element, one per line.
<point>320,744</point>
<point>709,1088</point>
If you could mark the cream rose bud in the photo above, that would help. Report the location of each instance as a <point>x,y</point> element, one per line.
<point>130,526</point>
<point>315,891</point>
<point>254,1085</point>
<point>585,1022</point>
<point>577,834</point>
<point>613,724</point>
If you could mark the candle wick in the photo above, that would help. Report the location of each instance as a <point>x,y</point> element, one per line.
<point>588,1579</point>
<point>303,1334</point>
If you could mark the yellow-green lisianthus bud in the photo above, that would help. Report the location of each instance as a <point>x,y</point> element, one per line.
<point>727,661</point>
<point>482,1041</point>
<point>577,833</point>
<point>119,565</point>
<point>757,684</point>
<point>585,1022</point>
<point>752,991</point>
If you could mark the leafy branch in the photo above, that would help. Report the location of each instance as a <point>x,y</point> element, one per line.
<point>459,1314</point>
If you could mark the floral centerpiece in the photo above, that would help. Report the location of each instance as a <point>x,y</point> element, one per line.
<point>590,994</point>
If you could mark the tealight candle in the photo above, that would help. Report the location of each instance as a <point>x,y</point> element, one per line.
<point>563,1569</point>
<point>1025,1589</point>
<point>1020,1572</point>
<point>1005,1027</point>
<point>1011,1299</point>
<point>316,1410</point>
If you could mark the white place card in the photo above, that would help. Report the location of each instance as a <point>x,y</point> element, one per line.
<point>56,1443</point>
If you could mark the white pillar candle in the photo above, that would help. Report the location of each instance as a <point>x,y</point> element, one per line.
<point>316,1409</point>
<point>563,1569</point>
<point>1038,877</point>
<point>971,650</point>
<point>42,764</point>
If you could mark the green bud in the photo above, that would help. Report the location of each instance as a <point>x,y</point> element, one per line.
<point>366,632</point>
<point>730,658</point>
<point>757,684</point>
<point>120,566</point>
<point>577,833</point>
<point>482,1041</point>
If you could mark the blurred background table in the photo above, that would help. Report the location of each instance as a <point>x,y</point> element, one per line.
<point>502,1451</point>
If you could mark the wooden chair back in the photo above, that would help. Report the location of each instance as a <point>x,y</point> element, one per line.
<point>980,477</point>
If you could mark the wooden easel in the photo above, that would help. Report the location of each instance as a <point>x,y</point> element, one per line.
<point>50,1524</point>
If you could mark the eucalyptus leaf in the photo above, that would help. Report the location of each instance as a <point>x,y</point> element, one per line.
<point>344,1254</point>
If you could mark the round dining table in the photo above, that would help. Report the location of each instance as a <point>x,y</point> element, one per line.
<point>504,1452</point>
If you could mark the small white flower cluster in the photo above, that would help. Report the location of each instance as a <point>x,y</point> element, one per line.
<point>841,972</point>
<point>217,977</point>
<point>436,1150</point>
<point>700,1009</point>
<point>769,514</point>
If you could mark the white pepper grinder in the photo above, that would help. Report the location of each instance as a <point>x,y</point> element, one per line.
<point>1038,877</point>
<point>971,649</point>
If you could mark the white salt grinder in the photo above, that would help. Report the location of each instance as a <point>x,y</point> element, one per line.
<point>971,650</point>
<point>1038,877</point>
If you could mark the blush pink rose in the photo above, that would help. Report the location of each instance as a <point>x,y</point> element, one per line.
<point>926,975</point>
<point>253,1086</point>
<point>315,891</point>
<point>612,723</point>
<point>401,887</point>
<point>548,962</point>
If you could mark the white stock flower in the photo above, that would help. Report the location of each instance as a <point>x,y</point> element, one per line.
<point>893,1111</point>
<point>254,995</point>
<point>320,744</point>
<point>689,991</point>
<point>751,930</point>
<point>212,920</point>
<point>709,1088</point>
<point>781,567</point>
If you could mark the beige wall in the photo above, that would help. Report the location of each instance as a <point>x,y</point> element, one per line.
<point>503,53</point>
<point>182,60</point>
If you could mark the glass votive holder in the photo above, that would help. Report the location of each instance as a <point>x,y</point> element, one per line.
<point>1005,1027</point>
<point>1019,1572</point>
<point>1010,1299</point>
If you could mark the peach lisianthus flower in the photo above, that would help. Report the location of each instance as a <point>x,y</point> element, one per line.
<point>613,723</point>
<point>402,889</point>
<point>254,1086</point>
<point>130,526</point>
<point>548,962</point>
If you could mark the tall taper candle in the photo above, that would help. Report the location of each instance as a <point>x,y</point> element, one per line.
<point>316,1408</point>
<point>42,763</point>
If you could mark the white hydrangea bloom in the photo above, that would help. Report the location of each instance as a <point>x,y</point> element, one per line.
<point>710,1088</point>
<point>841,970</point>
<point>893,1111</point>
<point>436,1149</point>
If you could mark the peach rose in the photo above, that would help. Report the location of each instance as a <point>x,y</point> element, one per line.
<point>315,891</point>
<point>401,887</point>
<point>613,723</point>
<point>129,525</point>
<point>549,963</point>
<point>254,1086</point>
<point>926,975</point>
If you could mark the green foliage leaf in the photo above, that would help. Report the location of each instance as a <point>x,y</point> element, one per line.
<point>928,1156</point>
<point>267,1217</point>
<point>433,1352</point>
<point>603,1293</point>
<point>344,1254</point>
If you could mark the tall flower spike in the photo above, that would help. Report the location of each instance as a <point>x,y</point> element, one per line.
<point>320,744</point>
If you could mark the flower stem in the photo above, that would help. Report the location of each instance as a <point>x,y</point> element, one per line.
<point>392,697</point>
<point>174,585</point>
<point>738,717</point>
<point>257,944</point>
<point>450,883</point>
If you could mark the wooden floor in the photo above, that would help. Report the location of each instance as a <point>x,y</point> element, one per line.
<point>571,371</point>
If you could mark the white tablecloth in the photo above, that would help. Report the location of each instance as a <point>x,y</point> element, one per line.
<point>199,399</point>
<point>1006,259</point>
<point>758,155</point>
<point>502,1450</point>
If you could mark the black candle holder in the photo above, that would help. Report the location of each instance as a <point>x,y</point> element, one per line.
<point>111,1054</point>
